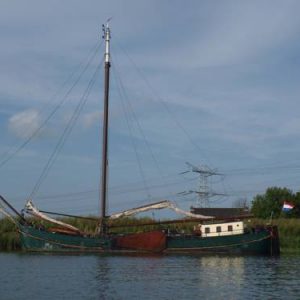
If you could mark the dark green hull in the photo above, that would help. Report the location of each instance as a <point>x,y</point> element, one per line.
<point>34,239</point>
<point>264,242</point>
<point>260,243</point>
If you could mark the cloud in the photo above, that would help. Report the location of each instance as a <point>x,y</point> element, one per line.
<point>25,123</point>
<point>227,71</point>
<point>229,33</point>
<point>89,119</point>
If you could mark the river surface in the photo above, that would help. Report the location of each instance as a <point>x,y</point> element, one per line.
<point>34,276</point>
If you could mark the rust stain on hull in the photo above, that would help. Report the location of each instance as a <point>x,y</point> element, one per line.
<point>154,241</point>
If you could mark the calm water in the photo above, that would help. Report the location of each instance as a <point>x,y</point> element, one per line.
<point>29,276</point>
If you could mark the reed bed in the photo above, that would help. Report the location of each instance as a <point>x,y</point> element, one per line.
<point>9,237</point>
<point>289,233</point>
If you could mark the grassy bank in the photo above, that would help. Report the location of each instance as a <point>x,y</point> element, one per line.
<point>9,238</point>
<point>289,231</point>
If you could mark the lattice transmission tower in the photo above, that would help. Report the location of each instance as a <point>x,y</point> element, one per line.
<point>204,191</point>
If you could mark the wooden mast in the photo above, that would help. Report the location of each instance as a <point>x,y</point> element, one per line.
<point>103,193</point>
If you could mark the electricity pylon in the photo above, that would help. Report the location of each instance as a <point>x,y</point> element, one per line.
<point>204,192</point>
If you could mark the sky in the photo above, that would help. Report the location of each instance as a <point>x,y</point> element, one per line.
<point>212,83</point>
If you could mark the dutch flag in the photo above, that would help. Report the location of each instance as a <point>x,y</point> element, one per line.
<point>287,206</point>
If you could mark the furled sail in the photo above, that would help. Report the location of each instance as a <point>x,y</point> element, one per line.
<point>158,205</point>
<point>31,209</point>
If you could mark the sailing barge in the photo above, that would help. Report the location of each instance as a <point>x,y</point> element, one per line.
<point>208,235</point>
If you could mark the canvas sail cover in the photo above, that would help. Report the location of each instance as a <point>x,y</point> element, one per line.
<point>31,209</point>
<point>158,205</point>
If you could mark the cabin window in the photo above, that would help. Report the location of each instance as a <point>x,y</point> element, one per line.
<point>230,228</point>
<point>219,229</point>
<point>207,230</point>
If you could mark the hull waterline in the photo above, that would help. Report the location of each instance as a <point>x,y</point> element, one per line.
<point>34,239</point>
<point>265,242</point>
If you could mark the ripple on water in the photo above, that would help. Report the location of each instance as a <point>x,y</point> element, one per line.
<point>25,276</point>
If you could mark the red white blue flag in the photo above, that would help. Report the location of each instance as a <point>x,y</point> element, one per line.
<point>287,206</point>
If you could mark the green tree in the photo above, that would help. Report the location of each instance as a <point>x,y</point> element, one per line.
<point>271,203</point>
<point>295,213</point>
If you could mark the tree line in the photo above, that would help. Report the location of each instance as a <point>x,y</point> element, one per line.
<point>271,202</point>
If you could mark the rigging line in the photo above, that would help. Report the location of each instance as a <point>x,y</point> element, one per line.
<point>114,189</point>
<point>116,78</point>
<point>78,201</point>
<point>37,131</point>
<point>139,201</point>
<point>234,193</point>
<point>54,96</point>
<point>226,187</point>
<point>261,170</point>
<point>290,164</point>
<point>281,180</point>
<point>160,100</point>
<point>220,200</point>
<point>59,146</point>
<point>66,132</point>
<point>126,114</point>
<point>92,193</point>
<point>146,201</point>
<point>147,144</point>
<point>152,186</point>
<point>139,126</point>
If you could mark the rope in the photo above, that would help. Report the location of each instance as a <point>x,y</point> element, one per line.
<point>120,89</point>
<point>37,131</point>
<point>67,131</point>
<point>147,144</point>
<point>164,104</point>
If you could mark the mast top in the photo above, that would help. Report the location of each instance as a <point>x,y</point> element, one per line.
<point>107,36</point>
